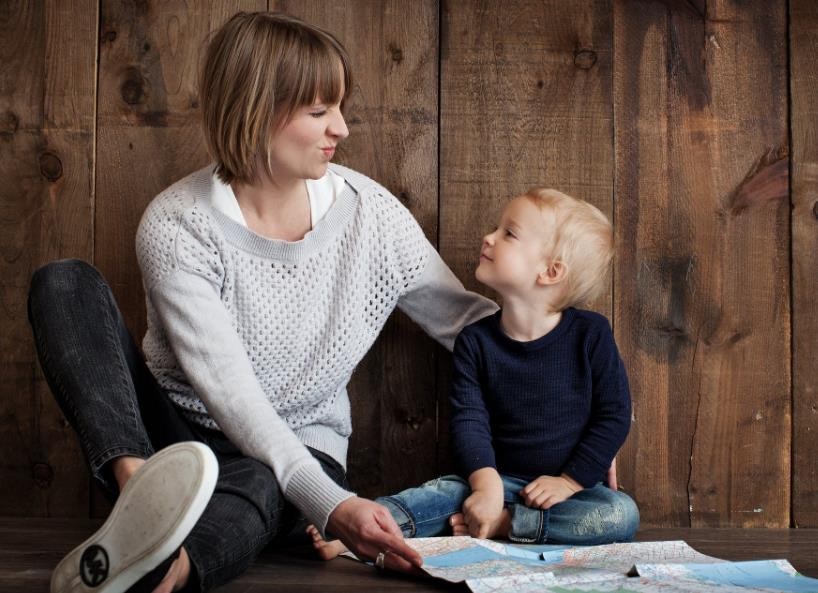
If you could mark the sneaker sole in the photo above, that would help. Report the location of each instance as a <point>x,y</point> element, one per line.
<point>155,512</point>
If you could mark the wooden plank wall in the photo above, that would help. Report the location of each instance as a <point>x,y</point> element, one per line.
<point>672,117</point>
<point>804,170</point>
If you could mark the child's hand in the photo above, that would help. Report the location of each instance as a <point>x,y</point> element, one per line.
<point>483,511</point>
<point>546,491</point>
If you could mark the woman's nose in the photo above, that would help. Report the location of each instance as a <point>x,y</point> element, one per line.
<point>338,127</point>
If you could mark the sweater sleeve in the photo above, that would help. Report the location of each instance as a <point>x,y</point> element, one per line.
<point>440,304</point>
<point>186,297</point>
<point>469,422</point>
<point>610,413</point>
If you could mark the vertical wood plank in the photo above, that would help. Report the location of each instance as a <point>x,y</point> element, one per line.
<point>392,117</point>
<point>702,292</point>
<point>804,125</point>
<point>47,104</point>
<point>525,101</point>
<point>149,133</point>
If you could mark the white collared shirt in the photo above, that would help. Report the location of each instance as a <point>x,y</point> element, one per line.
<point>322,193</point>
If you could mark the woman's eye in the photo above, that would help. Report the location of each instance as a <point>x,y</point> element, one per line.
<point>317,113</point>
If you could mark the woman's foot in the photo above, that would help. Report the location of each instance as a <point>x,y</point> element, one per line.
<point>138,548</point>
<point>499,530</point>
<point>327,550</point>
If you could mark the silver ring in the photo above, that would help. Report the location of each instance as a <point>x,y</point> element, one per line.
<point>379,560</point>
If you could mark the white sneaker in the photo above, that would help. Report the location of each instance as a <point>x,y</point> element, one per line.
<point>153,515</point>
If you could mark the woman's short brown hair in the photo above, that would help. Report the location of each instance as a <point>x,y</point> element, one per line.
<point>259,68</point>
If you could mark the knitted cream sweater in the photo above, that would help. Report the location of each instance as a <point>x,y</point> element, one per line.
<point>259,337</point>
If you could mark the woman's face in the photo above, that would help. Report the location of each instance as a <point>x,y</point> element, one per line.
<point>303,148</point>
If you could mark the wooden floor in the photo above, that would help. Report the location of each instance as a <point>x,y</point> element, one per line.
<point>29,549</point>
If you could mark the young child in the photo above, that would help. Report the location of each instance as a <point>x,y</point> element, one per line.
<point>540,402</point>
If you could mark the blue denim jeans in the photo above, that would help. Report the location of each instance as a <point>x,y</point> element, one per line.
<point>100,381</point>
<point>596,515</point>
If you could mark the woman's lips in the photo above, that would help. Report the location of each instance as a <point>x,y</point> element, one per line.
<point>328,151</point>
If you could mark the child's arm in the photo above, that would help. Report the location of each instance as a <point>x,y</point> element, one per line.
<point>483,509</point>
<point>470,430</point>
<point>610,418</point>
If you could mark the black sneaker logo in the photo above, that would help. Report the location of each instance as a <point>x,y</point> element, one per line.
<point>94,566</point>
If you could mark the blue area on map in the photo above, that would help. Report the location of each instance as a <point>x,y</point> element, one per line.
<point>461,557</point>
<point>480,554</point>
<point>757,573</point>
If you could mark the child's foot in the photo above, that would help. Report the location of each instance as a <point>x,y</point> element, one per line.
<point>327,550</point>
<point>499,530</point>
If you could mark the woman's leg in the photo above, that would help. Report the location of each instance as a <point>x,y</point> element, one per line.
<point>592,516</point>
<point>99,378</point>
<point>246,512</point>
<point>95,370</point>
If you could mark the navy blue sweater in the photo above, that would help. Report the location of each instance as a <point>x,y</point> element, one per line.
<point>557,404</point>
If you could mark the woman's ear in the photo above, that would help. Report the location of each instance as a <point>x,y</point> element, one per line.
<point>552,274</point>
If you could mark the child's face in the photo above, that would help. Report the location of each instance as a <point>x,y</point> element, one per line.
<point>513,255</point>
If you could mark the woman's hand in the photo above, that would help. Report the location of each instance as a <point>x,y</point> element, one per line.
<point>546,491</point>
<point>367,529</point>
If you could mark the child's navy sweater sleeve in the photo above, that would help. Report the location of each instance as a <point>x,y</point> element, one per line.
<point>610,418</point>
<point>469,421</point>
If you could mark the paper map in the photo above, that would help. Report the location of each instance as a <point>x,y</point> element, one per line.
<point>646,567</point>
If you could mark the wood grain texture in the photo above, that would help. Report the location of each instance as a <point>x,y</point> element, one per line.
<point>804,126</point>
<point>149,133</point>
<point>47,114</point>
<point>702,285</point>
<point>525,101</point>
<point>392,119</point>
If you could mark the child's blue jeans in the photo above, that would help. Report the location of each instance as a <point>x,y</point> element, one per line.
<point>596,515</point>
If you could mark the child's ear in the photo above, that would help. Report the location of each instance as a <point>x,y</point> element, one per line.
<point>552,274</point>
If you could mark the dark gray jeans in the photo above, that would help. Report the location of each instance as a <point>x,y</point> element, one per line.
<point>100,381</point>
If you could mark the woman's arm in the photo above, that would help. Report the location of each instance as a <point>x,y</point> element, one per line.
<point>440,304</point>
<point>212,356</point>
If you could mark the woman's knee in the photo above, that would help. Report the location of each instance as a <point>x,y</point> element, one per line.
<point>65,277</point>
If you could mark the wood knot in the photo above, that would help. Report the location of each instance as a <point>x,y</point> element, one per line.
<point>42,474</point>
<point>540,84</point>
<point>404,198</point>
<point>815,210</point>
<point>9,124</point>
<point>133,87</point>
<point>584,59</point>
<point>396,53</point>
<point>414,423</point>
<point>109,37</point>
<point>50,166</point>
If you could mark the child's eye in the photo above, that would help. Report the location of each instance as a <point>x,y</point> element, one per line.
<point>317,114</point>
<point>510,233</point>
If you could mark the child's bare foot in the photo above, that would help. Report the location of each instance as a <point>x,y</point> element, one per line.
<point>499,530</point>
<point>327,550</point>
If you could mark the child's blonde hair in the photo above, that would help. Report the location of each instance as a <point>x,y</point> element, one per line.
<point>259,68</point>
<point>581,239</point>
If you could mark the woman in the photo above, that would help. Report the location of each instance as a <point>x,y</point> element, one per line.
<point>268,276</point>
